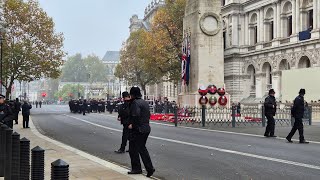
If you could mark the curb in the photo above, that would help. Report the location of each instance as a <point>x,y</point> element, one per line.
<point>90,157</point>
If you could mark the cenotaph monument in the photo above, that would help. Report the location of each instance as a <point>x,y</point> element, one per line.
<point>203,23</point>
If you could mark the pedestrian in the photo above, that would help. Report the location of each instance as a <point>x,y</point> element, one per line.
<point>37,104</point>
<point>297,112</point>
<point>17,109</point>
<point>6,114</point>
<point>40,103</point>
<point>26,113</point>
<point>270,107</point>
<point>140,130</point>
<point>239,109</point>
<point>123,117</point>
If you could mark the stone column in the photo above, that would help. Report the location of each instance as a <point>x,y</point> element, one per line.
<point>235,30</point>
<point>243,35</point>
<point>246,29</point>
<point>318,14</point>
<point>276,83</point>
<point>298,20</point>
<point>275,21</point>
<point>294,15</point>
<point>315,13</point>
<point>227,33</point>
<point>260,85</point>
<point>261,25</point>
<point>279,20</point>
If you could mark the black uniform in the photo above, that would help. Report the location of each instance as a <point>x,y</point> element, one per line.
<point>84,107</point>
<point>17,109</point>
<point>6,115</point>
<point>124,113</point>
<point>297,112</point>
<point>270,107</point>
<point>26,113</point>
<point>139,118</point>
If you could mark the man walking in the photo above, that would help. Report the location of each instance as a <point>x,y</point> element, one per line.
<point>297,112</point>
<point>140,130</point>
<point>270,107</point>
<point>17,109</point>
<point>36,104</point>
<point>26,113</point>
<point>123,117</point>
<point>40,104</point>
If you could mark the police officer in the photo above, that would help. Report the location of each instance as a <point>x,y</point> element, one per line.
<point>140,130</point>
<point>270,107</point>
<point>84,107</point>
<point>17,109</point>
<point>297,112</point>
<point>26,113</point>
<point>123,117</point>
<point>6,115</point>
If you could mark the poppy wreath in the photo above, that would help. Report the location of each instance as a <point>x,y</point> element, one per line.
<point>213,101</point>
<point>221,91</point>
<point>212,89</point>
<point>203,91</point>
<point>203,100</point>
<point>223,100</point>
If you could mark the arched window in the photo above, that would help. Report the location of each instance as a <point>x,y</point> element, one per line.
<point>269,25</point>
<point>287,19</point>
<point>253,29</point>
<point>307,14</point>
<point>304,62</point>
<point>252,72</point>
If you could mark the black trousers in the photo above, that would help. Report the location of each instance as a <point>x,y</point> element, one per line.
<point>137,147</point>
<point>125,136</point>
<point>16,115</point>
<point>298,125</point>
<point>25,121</point>
<point>270,125</point>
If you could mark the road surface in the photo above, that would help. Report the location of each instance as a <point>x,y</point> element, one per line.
<point>181,153</point>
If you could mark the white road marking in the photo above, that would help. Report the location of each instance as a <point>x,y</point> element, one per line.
<point>102,162</point>
<point>213,148</point>
<point>218,131</point>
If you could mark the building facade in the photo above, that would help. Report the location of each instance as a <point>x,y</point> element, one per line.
<point>262,38</point>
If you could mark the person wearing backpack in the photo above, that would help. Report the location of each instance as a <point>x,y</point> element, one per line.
<point>270,106</point>
<point>297,112</point>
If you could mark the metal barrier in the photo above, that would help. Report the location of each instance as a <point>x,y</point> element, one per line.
<point>249,116</point>
<point>15,159</point>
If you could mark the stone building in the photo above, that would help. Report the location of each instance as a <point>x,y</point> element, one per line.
<point>264,37</point>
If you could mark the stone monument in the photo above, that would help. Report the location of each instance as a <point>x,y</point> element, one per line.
<point>202,22</point>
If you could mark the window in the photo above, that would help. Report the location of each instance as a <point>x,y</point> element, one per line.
<point>310,19</point>
<point>271,31</point>
<point>255,39</point>
<point>224,40</point>
<point>289,26</point>
<point>223,2</point>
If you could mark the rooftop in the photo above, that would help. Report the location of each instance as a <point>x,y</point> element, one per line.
<point>111,56</point>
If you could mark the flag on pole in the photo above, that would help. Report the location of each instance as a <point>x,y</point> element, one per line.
<point>184,60</point>
<point>188,60</point>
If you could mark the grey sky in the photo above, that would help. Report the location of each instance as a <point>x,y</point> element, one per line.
<point>93,26</point>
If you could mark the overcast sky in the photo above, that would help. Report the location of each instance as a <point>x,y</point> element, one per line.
<point>93,26</point>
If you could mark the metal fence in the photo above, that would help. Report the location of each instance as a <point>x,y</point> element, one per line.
<point>15,159</point>
<point>247,116</point>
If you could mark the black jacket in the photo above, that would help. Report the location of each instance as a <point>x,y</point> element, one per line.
<point>140,116</point>
<point>270,106</point>
<point>26,109</point>
<point>298,107</point>
<point>17,106</point>
<point>6,114</point>
<point>124,113</point>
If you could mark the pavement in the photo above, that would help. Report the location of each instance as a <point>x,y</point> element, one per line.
<point>188,153</point>
<point>82,165</point>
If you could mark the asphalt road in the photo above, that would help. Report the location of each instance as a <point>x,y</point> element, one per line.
<point>180,153</point>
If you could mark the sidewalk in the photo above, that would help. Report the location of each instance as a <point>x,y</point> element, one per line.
<point>83,166</point>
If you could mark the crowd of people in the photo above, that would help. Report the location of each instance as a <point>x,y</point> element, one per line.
<point>93,106</point>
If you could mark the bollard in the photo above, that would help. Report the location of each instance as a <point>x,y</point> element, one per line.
<point>24,159</point>
<point>263,117</point>
<point>59,170</point>
<point>175,116</point>
<point>37,163</point>
<point>8,163</point>
<point>234,116</point>
<point>2,149</point>
<point>203,115</point>
<point>15,156</point>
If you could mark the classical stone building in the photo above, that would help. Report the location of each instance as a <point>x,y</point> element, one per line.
<point>264,37</point>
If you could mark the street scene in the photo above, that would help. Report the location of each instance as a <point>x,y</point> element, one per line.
<point>160,89</point>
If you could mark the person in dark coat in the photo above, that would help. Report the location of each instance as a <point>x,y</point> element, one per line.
<point>140,130</point>
<point>26,113</point>
<point>17,109</point>
<point>40,104</point>
<point>6,114</point>
<point>84,107</point>
<point>270,107</point>
<point>297,112</point>
<point>123,117</point>
<point>37,104</point>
